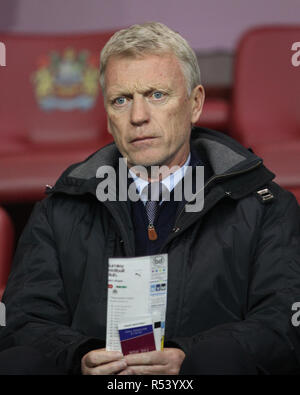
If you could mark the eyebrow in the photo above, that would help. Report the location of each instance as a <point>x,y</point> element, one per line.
<point>147,90</point>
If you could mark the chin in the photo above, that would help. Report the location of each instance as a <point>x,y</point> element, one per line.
<point>147,162</point>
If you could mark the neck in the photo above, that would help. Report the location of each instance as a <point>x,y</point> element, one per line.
<point>159,172</point>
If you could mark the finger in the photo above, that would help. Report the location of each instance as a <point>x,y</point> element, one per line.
<point>148,369</point>
<point>147,358</point>
<point>108,368</point>
<point>98,357</point>
<point>127,371</point>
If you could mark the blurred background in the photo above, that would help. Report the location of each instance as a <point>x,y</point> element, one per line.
<point>51,109</point>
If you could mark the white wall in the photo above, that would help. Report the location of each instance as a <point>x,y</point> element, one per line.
<point>206,24</point>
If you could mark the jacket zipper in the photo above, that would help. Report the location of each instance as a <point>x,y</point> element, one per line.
<point>175,228</point>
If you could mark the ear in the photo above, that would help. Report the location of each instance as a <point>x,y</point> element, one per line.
<point>197,101</point>
<point>108,124</point>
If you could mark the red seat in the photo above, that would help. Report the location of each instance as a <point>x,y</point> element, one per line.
<point>6,248</point>
<point>215,114</point>
<point>51,109</point>
<point>24,176</point>
<point>266,95</point>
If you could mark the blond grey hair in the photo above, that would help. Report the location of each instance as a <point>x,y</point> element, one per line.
<point>151,38</point>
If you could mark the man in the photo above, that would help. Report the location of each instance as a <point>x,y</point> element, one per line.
<point>234,266</point>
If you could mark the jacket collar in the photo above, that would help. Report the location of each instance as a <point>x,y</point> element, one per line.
<point>229,162</point>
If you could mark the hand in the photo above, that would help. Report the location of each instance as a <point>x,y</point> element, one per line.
<point>101,362</point>
<point>167,361</point>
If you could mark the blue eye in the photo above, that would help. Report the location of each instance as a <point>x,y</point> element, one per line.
<point>120,100</point>
<point>157,95</point>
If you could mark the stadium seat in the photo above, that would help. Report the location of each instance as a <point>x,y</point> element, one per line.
<point>266,95</point>
<point>6,248</point>
<point>215,114</point>
<point>51,109</point>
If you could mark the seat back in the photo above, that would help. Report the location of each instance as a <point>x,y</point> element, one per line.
<point>266,91</point>
<point>50,89</point>
<point>6,248</point>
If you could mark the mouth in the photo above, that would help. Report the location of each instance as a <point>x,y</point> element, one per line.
<point>140,140</point>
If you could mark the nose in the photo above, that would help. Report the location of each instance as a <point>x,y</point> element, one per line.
<point>139,111</point>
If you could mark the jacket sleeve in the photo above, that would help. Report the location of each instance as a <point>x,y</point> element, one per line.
<point>267,335</point>
<point>36,307</point>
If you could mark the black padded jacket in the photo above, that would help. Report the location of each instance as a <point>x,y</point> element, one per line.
<point>234,266</point>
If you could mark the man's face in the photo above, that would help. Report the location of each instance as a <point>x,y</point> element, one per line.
<point>148,108</point>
